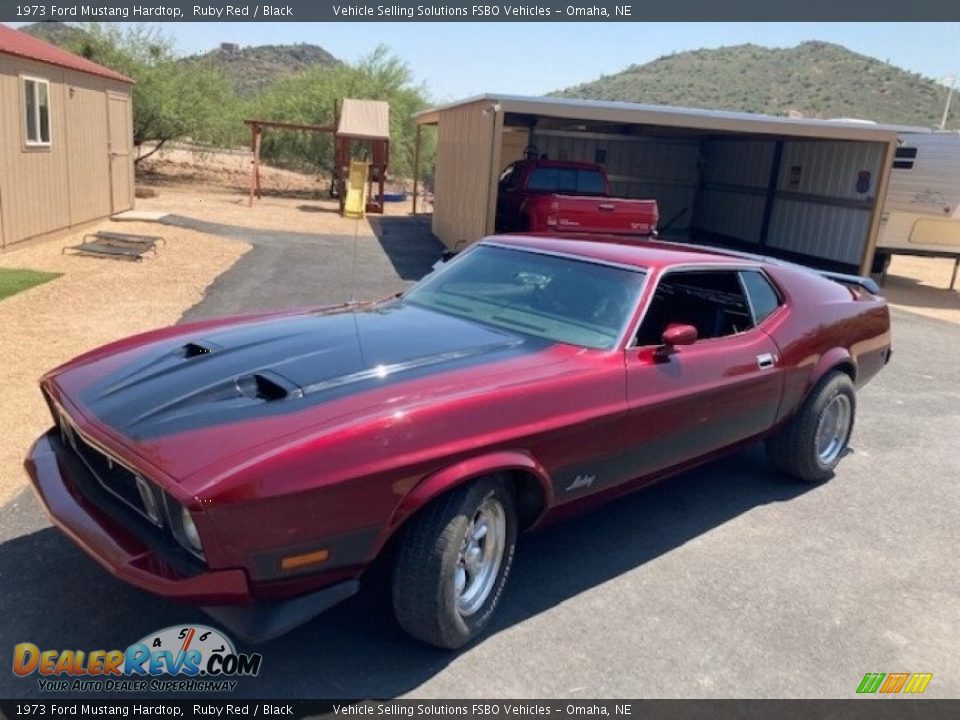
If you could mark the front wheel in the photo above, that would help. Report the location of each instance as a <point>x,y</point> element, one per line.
<point>453,562</point>
<point>811,445</point>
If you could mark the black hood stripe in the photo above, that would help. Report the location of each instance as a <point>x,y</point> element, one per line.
<point>258,369</point>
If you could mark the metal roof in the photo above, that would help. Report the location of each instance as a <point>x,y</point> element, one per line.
<point>677,117</point>
<point>368,119</point>
<point>14,42</point>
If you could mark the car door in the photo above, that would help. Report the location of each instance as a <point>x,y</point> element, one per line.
<point>692,400</point>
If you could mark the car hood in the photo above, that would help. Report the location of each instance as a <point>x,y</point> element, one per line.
<point>262,368</point>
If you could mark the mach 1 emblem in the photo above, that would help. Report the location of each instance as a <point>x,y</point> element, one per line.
<point>581,481</point>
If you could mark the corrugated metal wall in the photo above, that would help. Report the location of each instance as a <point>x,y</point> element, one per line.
<point>825,198</point>
<point>463,171</point>
<point>736,174</point>
<point>818,208</point>
<point>515,141</point>
<point>823,203</point>
<point>46,189</point>
<point>661,168</point>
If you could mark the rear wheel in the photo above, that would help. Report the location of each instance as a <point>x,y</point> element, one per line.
<point>453,562</point>
<point>811,445</point>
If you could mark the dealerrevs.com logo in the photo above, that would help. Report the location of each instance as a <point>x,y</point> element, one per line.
<point>183,658</point>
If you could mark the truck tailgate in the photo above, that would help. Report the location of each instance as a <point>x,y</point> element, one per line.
<point>581,213</point>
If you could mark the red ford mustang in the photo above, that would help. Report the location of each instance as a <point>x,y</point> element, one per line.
<point>257,466</point>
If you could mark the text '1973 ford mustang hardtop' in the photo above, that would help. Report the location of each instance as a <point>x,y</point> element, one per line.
<point>257,466</point>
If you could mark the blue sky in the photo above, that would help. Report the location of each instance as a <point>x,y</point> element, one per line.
<point>455,60</point>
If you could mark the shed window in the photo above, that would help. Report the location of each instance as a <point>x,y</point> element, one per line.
<point>904,158</point>
<point>36,102</point>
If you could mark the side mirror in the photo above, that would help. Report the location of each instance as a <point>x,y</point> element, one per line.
<point>676,334</point>
<point>445,257</point>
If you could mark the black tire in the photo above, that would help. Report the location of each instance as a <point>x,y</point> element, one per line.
<point>795,451</point>
<point>425,597</point>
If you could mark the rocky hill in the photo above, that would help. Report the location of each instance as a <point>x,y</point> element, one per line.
<point>253,69</point>
<point>816,79</point>
<point>57,33</point>
<point>249,69</point>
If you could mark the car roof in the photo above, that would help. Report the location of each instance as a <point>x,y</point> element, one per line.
<point>547,163</point>
<point>646,254</point>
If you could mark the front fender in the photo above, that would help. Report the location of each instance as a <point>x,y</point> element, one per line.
<point>452,476</point>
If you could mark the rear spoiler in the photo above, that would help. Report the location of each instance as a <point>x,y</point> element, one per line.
<point>866,283</point>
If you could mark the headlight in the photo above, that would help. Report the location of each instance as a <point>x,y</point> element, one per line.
<point>183,527</point>
<point>149,500</point>
<point>190,533</point>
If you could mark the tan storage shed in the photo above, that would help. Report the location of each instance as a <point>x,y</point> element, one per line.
<point>66,139</point>
<point>807,190</point>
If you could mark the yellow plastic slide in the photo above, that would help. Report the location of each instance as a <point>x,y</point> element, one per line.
<point>356,204</point>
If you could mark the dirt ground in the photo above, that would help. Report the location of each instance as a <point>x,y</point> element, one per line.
<point>215,185</point>
<point>269,212</point>
<point>922,285</point>
<point>179,165</point>
<point>94,302</point>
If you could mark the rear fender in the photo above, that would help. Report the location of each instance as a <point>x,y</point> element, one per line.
<point>837,358</point>
<point>452,476</point>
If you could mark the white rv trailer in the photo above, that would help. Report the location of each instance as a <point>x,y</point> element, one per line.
<point>921,214</point>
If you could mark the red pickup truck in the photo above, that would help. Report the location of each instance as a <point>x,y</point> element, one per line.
<point>557,196</point>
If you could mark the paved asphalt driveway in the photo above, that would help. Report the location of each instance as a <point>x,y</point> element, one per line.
<point>725,582</point>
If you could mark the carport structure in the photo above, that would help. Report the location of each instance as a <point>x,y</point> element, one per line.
<point>808,190</point>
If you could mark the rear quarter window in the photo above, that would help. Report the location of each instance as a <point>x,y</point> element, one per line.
<point>763,298</point>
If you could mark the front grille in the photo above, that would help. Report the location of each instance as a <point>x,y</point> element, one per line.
<point>115,477</point>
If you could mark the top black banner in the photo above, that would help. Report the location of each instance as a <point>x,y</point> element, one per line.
<point>531,11</point>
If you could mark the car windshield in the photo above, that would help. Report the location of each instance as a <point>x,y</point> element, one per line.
<point>559,298</point>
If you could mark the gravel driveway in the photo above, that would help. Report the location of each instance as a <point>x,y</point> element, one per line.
<point>94,302</point>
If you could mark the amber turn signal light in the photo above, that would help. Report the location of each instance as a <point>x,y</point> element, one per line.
<point>295,562</point>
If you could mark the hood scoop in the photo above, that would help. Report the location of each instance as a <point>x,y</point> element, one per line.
<point>252,369</point>
<point>195,349</point>
<point>267,387</point>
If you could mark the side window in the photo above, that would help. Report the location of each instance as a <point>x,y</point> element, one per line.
<point>710,300</point>
<point>36,105</point>
<point>763,298</point>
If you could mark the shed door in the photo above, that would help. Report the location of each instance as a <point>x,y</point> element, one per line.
<point>120,175</point>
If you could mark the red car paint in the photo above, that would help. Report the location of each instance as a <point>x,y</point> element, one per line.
<point>526,204</point>
<point>572,425</point>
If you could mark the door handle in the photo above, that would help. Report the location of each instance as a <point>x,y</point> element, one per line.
<point>766,361</point>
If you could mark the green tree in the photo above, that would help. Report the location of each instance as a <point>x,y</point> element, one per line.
<point>310,98</point>
<point>171,100</point>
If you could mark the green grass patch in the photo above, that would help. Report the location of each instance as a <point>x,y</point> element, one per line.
<point>13,281</point>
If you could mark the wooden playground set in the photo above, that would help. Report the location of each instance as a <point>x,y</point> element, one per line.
<point>361,153</point>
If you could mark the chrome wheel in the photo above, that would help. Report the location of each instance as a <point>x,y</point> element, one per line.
<point>481,552</point>
<point>833,428</point>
